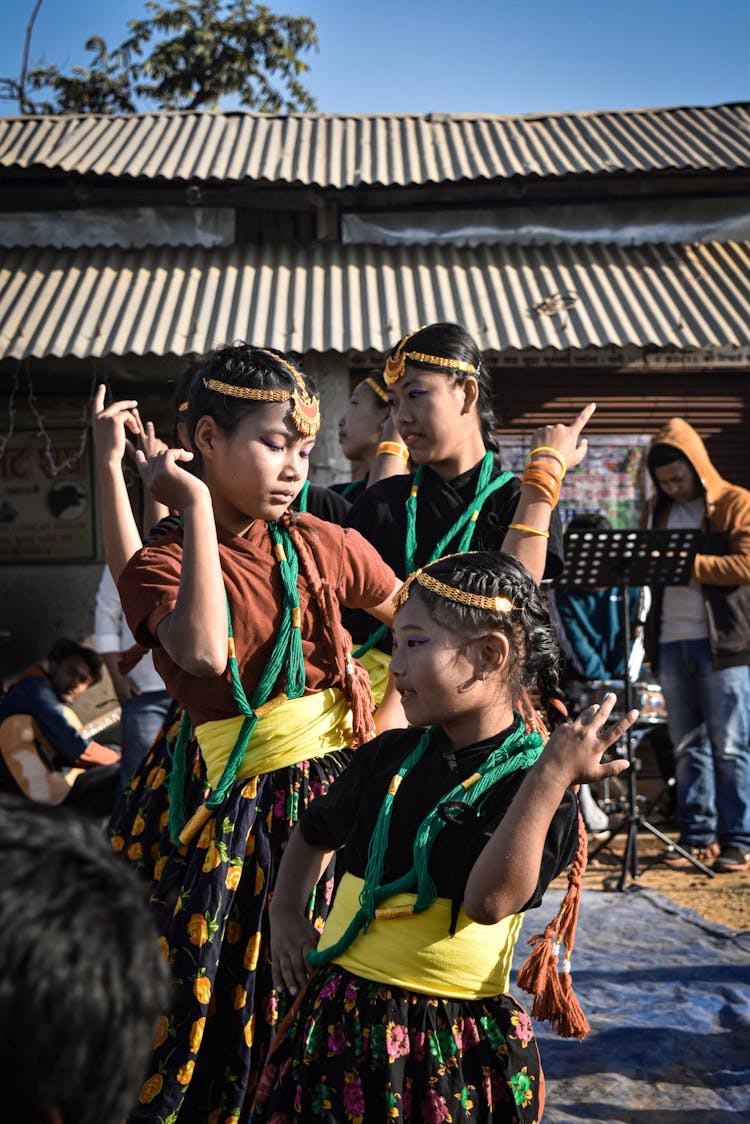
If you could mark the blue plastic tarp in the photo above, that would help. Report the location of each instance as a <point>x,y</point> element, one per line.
<point>667,995</point>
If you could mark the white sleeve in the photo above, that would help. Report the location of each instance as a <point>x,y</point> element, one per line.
<point>108,616</point>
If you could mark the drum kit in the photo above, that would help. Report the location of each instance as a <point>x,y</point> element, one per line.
<point>648,699</point>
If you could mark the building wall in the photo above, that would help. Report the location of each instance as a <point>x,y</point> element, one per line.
<point>41,602</point>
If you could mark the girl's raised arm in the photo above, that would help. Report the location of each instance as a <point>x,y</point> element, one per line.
<point>554,448</point>
<point>506,873</point>
<point>110,426</point>
<point>194,634</point>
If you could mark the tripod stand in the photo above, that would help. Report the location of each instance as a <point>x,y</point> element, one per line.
<point>596,559</point>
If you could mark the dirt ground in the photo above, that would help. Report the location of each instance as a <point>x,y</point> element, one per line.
<point>723,899</point>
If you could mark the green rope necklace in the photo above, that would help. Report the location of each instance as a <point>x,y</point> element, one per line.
<point>464,525</point>
<point>286,656</point>
<point>519,750</point>
<point>349,487</point>
<point>302,497</point>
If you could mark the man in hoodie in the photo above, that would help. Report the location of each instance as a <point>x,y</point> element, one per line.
<point>699,640</point>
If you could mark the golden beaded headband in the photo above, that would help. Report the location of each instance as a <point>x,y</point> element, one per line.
<point>305,408</point>
<point>451,593</point>
<point>396,365</point>
<point>373,385</point>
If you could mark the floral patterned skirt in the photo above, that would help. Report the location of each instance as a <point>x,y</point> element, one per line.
<point>359,1051</point>
<point>210,899</point>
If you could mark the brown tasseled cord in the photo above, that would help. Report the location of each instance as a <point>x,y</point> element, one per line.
<point>353,677</point>
<point>555,1001</point>
<point>270,1071</point>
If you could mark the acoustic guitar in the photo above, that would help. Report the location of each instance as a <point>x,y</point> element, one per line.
<point>31,764</point>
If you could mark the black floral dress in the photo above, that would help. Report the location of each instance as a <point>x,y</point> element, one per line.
<point>210,899</point>
<point>362,1051</point>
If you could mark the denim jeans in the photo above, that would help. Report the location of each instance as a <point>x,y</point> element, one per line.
<point>142,716</point>
<point>709,723</point>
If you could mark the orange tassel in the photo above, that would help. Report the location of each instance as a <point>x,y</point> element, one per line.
<point>555,1001</point>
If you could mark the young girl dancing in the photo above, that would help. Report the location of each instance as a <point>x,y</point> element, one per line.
<point>241,607</point>
<point>460,496</point>
<point>451,829</point>
<point>361,433</point>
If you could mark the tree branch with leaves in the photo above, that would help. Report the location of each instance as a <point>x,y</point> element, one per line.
<point>187,54</point>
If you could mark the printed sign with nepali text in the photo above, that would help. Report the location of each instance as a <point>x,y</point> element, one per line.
<point>612,480</point>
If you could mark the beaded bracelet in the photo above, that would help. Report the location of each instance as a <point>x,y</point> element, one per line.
<point>530,530</point>
<point>393,449</point>
<point>550,452</point>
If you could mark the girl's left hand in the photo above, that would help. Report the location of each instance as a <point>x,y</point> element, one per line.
<point>166,481</point>
<point>565,438</point>
<point>574,751</point>
<point>292,936</point>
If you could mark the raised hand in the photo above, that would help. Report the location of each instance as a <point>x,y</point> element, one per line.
<point>149,443</point>
<point>111,424</point>
<point>166,481</point>
<point>573,753</point>
<point>566,439</point>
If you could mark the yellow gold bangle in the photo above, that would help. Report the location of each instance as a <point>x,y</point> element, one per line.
<point>529,530</point>
<point>550,453</point>
<point>393,449</point>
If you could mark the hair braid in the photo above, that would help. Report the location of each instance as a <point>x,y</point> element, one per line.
<point>354,679</point>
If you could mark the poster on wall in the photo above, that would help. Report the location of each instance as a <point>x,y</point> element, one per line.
<point>612,480</point>
<point>46,498</point>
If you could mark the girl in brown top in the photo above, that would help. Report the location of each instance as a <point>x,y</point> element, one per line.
<point>241,608</point>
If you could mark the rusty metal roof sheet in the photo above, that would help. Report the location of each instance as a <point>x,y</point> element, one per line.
<point>355,299</point>
<point>336,150</point>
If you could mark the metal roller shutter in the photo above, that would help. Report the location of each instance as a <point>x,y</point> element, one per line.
<point>716,403</point>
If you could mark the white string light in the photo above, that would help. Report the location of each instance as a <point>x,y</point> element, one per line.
<point>11,411</point>
<point>55,468</point>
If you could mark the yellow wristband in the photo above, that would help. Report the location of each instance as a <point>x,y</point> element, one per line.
<point>393,449</point>
<point>529,530</point>
<point>550,453</point>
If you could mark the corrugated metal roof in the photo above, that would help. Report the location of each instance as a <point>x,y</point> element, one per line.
<point>347,151</point>
<point>102,301</point>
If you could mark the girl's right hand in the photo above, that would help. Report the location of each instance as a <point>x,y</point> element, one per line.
<point>565,438</point>
<point>111,424</point>
<point>574,751</point>
<point>166,481</point>
<point>292,937</point>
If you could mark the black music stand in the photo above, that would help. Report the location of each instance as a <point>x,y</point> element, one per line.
<point>596,559</point>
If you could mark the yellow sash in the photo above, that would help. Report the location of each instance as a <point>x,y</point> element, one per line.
<point>376,664</point>
<point>416,951</point>
<point>294,730</point>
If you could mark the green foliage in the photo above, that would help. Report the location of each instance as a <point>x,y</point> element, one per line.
<point>188,54</point>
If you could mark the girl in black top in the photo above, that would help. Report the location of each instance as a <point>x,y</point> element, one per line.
<point>459,498</point>
<point>450,830</point>
<point>361,432</point>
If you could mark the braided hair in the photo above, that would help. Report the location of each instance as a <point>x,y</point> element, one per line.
<point>242,365</point>
<point>451,341</point>
<point>534,648</point>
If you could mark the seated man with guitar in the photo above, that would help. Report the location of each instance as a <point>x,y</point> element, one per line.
<point>45,754</point>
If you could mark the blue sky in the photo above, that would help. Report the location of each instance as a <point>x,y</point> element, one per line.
<point>483,56</point>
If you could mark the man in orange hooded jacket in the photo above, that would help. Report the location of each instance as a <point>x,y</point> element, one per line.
<point>699,641</point>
